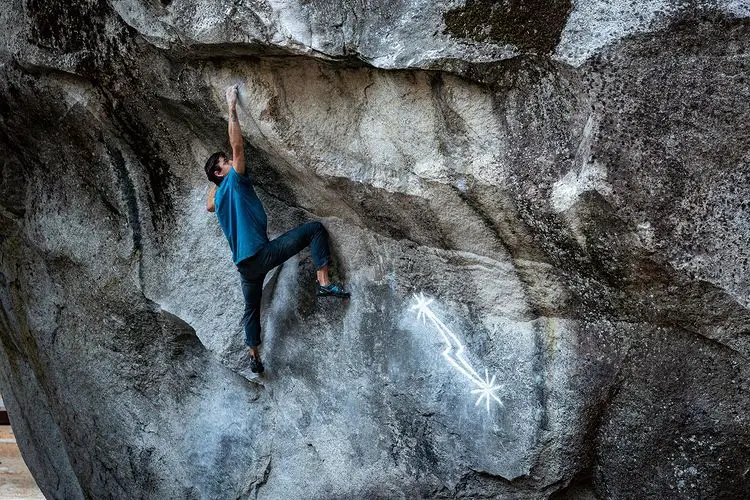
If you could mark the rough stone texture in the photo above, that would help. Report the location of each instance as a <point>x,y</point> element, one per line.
<point>568,181</point>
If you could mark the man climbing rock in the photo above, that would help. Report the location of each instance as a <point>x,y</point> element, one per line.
<point>243,221</point>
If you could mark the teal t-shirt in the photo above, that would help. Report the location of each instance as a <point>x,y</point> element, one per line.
<point>241,215</point>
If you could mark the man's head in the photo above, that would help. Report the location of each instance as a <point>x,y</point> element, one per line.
<point>217,167</point>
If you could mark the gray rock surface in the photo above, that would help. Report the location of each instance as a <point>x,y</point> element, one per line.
<point>567,181</point>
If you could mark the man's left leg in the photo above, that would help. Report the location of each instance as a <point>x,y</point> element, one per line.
<point>292,242</point>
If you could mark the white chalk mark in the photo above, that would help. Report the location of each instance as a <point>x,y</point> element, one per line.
<point>454,354</point>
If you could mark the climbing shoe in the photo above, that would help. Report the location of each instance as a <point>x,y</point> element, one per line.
<point>332,290</point>
<point>255,365</point>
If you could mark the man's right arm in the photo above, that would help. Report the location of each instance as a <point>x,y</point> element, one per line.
<point>210,201</point>
<point>235,134</point>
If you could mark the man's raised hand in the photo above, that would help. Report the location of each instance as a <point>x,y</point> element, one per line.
<point>232,96</point>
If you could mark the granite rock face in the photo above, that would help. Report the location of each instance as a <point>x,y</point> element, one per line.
<point>567,182</point>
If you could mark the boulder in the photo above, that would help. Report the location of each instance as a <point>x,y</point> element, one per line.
<point>540,208</point>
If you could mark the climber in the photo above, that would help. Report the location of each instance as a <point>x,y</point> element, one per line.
<point>243,221</point>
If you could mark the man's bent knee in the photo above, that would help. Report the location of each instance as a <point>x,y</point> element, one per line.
<point>316,226</point>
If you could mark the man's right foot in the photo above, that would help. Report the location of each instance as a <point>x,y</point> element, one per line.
<point>255,365</point>
<point>332,290</point>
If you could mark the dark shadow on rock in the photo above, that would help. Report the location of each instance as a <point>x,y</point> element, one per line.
<point>531,25</point>
<point>395,215</point>
<point>665,433</point>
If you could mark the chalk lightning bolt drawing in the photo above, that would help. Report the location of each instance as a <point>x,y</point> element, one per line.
<point>454,354</point>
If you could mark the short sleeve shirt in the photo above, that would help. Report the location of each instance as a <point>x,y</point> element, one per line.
<point>241,216</point>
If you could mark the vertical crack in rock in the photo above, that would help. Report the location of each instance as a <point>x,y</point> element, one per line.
<point>129,197</point>
<point>150,155</point>
<point>8,323</point>
<point>257,484</point>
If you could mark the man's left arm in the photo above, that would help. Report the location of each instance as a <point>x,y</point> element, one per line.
<point>210,201</point>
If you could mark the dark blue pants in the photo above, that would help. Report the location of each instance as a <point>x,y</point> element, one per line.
<point>253,269</point>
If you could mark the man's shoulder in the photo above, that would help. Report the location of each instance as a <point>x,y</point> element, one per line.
<point>238,176</point>
<point>233,182</point>
<point>231,178</point>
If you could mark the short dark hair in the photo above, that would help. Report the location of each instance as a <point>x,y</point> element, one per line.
<point>211,166</point>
